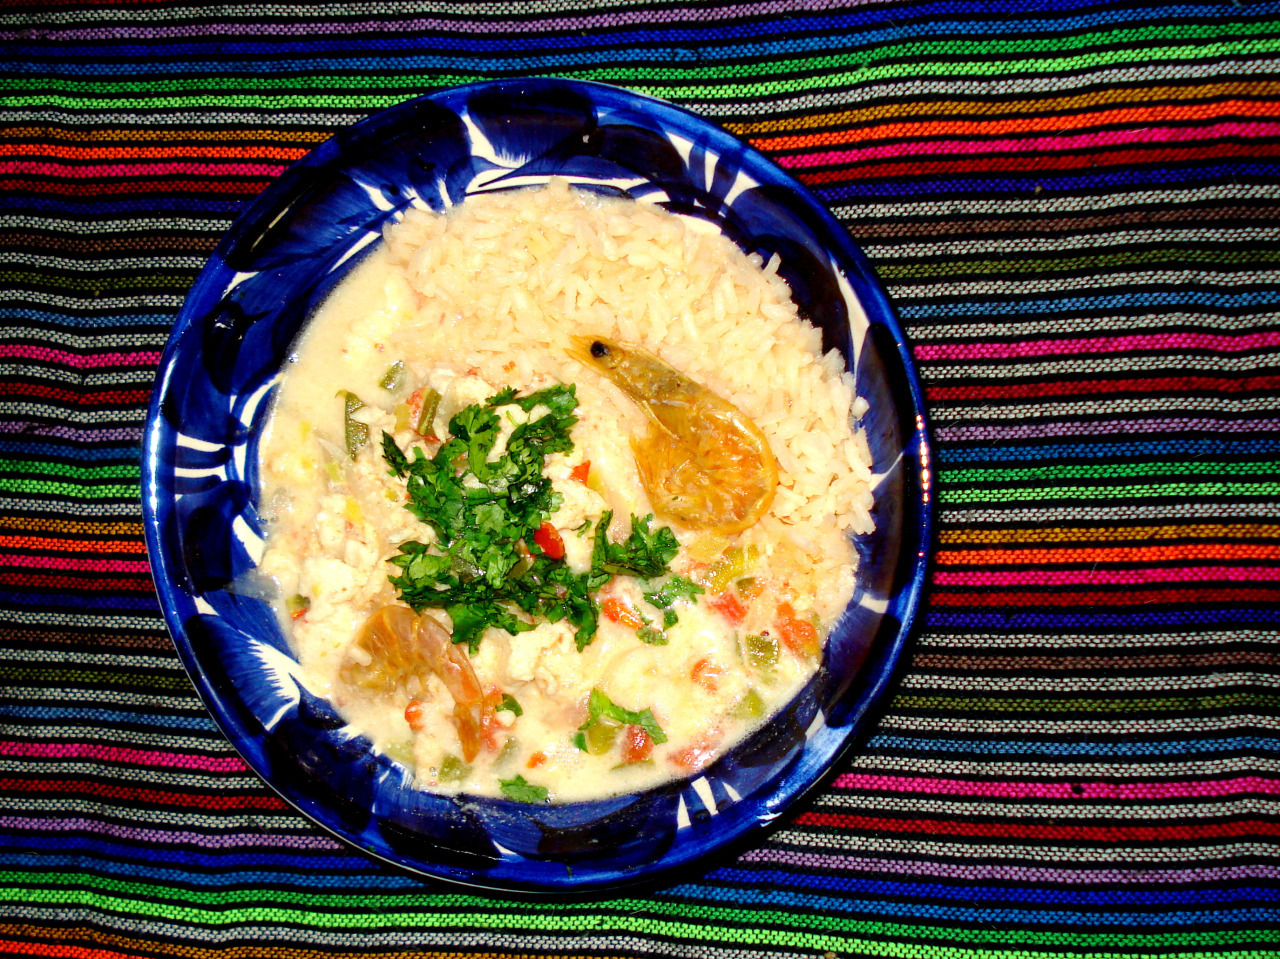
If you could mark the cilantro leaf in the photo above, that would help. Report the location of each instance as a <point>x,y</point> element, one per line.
<point>643,553</point>
<point>651,636</point>
<point>600,706</point>
<point>676,588</point>
<point>520,790</point>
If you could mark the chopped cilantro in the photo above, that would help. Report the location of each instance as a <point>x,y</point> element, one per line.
<point>600,707</point>
<point>483,510</point>
<point>520,790</point>
<point>651,636</point>
<point>643,553</point>
<point>676,588</point>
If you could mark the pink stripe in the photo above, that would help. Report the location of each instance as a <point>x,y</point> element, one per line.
<point>1119,792</point>
<point>918,147</point>
<point>1104,577</point>
<point>45,354</point>
<point>986,350</point>
<point>83,564</point>
<point>108,170</point>
<point>118,754</point>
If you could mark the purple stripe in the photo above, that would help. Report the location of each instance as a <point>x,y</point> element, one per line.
<point>120,434</point>
<point>1024,431</point>
<point>169,837</point>
<point>1040,875</point>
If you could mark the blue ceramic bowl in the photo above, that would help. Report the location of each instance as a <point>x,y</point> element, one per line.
<point>200,481</point>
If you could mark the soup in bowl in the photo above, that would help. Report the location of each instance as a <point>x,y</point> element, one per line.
<point>537,487</point>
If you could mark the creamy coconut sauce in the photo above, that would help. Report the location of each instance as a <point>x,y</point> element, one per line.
<point>734,654</point>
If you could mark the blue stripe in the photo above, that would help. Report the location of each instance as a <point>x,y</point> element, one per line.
<point>1146,301</point>
<point>63,602</point>
<point>74,318</point>
<point>93,321</point>
<point>1064,748</point>
<point>759,886</point>
<point>111,719</point>
<point>1016,918</point>
<point>71,451</point>
<point>564,49</point>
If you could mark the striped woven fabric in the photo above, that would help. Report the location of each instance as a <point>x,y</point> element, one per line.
<point>1075,207</point>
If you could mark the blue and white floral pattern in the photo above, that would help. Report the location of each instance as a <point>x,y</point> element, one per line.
<point>200,486</point>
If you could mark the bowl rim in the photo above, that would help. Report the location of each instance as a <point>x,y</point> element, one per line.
<point>883,659</point>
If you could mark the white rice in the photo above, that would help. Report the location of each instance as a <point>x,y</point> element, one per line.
<point>495,291</point>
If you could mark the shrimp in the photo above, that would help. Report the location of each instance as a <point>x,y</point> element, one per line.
<point>396,646</point>
<point>704,463</point>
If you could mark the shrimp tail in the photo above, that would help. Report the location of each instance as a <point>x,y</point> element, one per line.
<point>450,662</point>
<point>393,651</point>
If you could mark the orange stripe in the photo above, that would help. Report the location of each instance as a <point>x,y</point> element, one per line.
<point>1132,554</point>
<point>71,527</point>
<point>1036,107</point>
<point>72,545</point>
<point>1128,116</point>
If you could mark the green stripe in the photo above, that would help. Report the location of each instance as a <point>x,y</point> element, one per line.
<point>41,478</point>
<point>65,676</point>
<point>682,920</point>
<point>71,490</point>
<point>1127,491</point>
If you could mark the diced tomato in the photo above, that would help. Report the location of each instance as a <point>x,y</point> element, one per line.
<point>707,674</point>
<point>548,539</point>
<point>413,715</point>
<point>537,759</point>
<point>582,471</point>
<point>728,606</point>
<point>415,405</point>
<point>617,611</point>
<point>798,635</point>
<point>637,745</point>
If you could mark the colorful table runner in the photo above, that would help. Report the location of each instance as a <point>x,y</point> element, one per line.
<point>1074,207</point>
